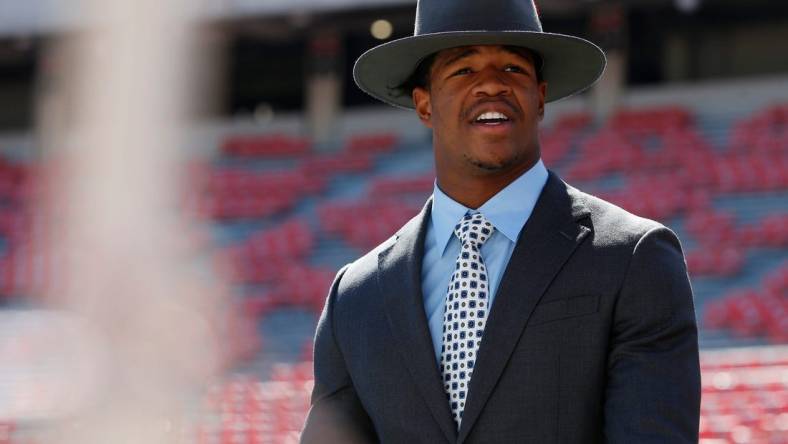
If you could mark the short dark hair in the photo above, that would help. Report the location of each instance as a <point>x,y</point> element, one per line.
<point>420,78</point>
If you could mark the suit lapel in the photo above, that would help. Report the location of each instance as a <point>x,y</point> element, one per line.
<point>399,277</point>
<point>548,239</point>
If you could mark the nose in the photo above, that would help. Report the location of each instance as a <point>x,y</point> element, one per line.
<point>491,82</point>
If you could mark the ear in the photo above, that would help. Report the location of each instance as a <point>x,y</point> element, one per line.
<point>542,95</point>
<point>421,100</point>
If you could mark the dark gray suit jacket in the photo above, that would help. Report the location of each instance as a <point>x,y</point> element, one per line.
<point>592,338</point>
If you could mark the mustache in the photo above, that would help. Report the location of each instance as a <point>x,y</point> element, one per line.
<point>474,109</point>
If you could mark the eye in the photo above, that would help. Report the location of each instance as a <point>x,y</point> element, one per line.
<point>513,68</point>
<point>461,71</point>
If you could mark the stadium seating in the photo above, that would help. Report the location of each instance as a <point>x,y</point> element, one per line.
<point>266,255</point>
<point>745,399</point>
<point>761,311</point>
<point>398,186</point>
<point>764,132</point>
<point>254,412</point>
<point>265,145</point>
<point>328,165</point>
<point>297,285</point>
<point>371,222</point>
<point>372,143</point>
<point>284,224</point>
<point>650,120</point>
<point>357,155</point>
<point>241,193</point>
<point>745,396</point>
<point>557,140</point>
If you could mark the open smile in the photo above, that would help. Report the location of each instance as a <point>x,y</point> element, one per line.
<point>491,118</point>
<point>492,122</point>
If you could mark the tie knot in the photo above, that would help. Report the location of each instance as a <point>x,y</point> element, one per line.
<point>474,230</point>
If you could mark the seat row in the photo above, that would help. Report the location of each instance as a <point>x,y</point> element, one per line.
<point>264,255</point>
<point>279,145</point>
<point>243,193</point>
<point>253,412</point>
<point>652,120</point>
<point>761,312</point>
<point>745,395</point>
<point>766,131</point>
<point>610,153</point>
<point>364,224</point>
<point>298,285</point>
<point>558,139</point>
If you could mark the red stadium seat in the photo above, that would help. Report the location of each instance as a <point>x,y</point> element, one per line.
<point>266,145</point>
<point>398,186</point>
<point>242,194</point>
<point>372,143</point>
<point>260,412</point>
<point>754,312</point>
<point>265,255</point>
<point>745,399</point>
<point>373,221</point>
<point>744,395</point>
<point>326,165</point>
<point>765,132</point>
<point>650,120</point>
<point>558,139</point>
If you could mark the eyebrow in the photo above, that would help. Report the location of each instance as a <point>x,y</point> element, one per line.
<point>525,53</point>
<point>514,50</point>
<point>467,52</point>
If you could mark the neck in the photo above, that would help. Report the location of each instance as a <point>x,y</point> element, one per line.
<point>473,191</point>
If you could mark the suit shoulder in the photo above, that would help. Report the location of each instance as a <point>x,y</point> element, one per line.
<point>363,271</point>
<point>368,263</point>
<point>614,224</point>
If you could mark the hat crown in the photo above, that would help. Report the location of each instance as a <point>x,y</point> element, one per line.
<point>434,16</point>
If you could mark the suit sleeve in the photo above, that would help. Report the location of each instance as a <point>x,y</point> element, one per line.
<point>336,414</point>
<point>653,384</point>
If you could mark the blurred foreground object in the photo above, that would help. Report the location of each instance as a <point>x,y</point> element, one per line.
<point>112,124</point>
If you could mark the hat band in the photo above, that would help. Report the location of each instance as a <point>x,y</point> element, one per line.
<point>472,25</point>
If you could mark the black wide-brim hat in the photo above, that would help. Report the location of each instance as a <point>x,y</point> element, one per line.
<point>569,64</point>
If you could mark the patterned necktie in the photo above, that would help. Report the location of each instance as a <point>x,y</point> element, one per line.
<point>465,312</point>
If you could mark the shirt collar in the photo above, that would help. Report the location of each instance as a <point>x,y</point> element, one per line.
<point>508,210</point>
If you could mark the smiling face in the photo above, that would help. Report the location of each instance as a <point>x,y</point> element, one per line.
<point>484,104</point>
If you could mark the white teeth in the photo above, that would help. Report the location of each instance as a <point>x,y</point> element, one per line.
<point>492,115</point>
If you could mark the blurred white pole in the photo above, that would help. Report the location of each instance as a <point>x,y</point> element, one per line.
<point>129,272</point>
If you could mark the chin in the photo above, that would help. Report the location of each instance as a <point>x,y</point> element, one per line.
<point>490,165</point>
<point>489,161</point>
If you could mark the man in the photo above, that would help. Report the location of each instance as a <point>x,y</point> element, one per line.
<point>513,308</point>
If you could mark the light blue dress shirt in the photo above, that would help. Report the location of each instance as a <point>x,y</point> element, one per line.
<point>508,211</point>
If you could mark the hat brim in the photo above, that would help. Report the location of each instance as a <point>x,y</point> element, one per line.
<point>570,64</point>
